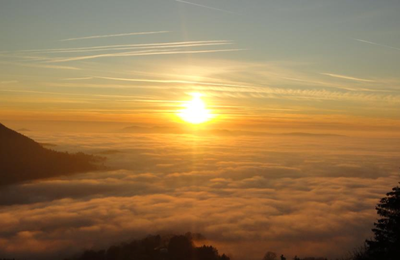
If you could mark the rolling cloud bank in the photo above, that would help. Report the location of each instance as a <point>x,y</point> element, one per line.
<point>297,195</point>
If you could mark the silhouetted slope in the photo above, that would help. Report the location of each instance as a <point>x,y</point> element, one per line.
<point>158,247</point>
<point>23,159</point>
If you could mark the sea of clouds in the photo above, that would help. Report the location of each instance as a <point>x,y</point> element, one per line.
<point>295,195</point>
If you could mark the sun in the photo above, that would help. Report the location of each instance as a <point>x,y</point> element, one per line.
<point>195,111</point>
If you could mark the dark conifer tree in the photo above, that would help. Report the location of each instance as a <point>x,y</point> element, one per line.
<point>386,242</point>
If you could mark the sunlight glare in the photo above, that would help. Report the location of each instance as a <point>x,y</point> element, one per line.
<point>195,111</point>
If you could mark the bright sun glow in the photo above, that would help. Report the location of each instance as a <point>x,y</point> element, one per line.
<point>195,111</point>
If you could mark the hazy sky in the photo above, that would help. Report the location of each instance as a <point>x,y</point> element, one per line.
<point>297,64</point>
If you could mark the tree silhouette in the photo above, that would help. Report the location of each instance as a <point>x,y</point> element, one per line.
<point>270,256</point>
<point>180,247</point>
<point>207,252</point>
<point>386,242</point>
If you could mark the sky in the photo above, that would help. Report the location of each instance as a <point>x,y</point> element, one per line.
<point>302,143</point>
<point>270,65</point>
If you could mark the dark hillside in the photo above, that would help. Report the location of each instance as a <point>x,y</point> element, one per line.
<point>22,159</point>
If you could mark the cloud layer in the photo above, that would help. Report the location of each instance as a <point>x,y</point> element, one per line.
<point>293,195</point>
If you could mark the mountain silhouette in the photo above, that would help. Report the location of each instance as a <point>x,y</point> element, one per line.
<point>23,159</point>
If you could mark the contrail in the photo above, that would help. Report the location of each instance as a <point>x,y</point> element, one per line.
<point>346,77</point>
<point>204,6</point>
<point>378,44</point>
<point>141,53</point>
<point>126,45</point>
<point>112,35</point>
<point>138,46</point>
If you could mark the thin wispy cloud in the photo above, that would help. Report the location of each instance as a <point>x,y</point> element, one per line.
<point>125,50</point>
<point>137,46</point>
<point>89,96</point>
<point>174,81</point>
<point>378,44</point>
<point>106,47</point>
<point>41,66</point>
<point>141,53</point>
<point>34,91</point>
<point>347,77</point>
<point>74,79</point>
<point>112,35</point>
<point>50,66</point>
<point>207,7</point>
<point>243,91</point>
